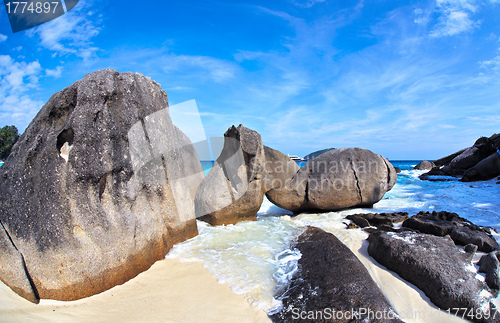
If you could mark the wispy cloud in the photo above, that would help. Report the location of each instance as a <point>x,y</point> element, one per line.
<point>455,17</point>
<point>3,38</point>
<point>71,33</point>
<point>57,72</point>
<point>307,3</point>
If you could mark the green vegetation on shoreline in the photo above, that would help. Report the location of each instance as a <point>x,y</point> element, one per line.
<point>8,137</point>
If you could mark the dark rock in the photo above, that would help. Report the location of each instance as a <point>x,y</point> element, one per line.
<point>377,219</point>
<point>486,169</point>
<point>335,180</point>
<point>86,203</point>
<point>234,188</point>
<point>445,160</point>
<point>330,277</point>
<point>425,165</point>
<point>467,235</point>
<point>436,266</point>
<point>459,163</point>
<point>435,223</point>
<point>397,169</point>
<point>462,231</point>
<point>483,148</point>
<point>489,265</point>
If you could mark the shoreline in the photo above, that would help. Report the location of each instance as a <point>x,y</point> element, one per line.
<point>170,291</point>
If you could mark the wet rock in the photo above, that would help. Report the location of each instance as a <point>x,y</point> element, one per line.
<point>377,219</point>
<point>397,169</point>
<point>462,231</point>
<point>436,266</point>
<point>88,199</point>
<point>489,265</point>
<point>335,180</point>
<point>425,165</point>
<point>330,277</point>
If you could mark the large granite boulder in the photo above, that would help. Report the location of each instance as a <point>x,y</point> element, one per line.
<point>335,180</point>
<point>434,264</point>
<point>234,188</point>
<point>486,169</point>
<point>331,285</point>
<point>97,189</point>
<point>425,165</point>
<point>462,231</point>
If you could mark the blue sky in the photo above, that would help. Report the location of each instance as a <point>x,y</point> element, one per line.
<point>406,79</point>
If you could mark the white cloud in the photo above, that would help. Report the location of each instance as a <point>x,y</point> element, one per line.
<point>307,3</point>
<point>55,72</point>
<point>455,17</point>
<point>3,38</point>
<point>17,78</point>
<point>70,33</point>
<point>216,69</point>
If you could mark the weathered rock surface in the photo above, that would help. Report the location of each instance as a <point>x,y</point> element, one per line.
<point>335,180</point>
<point>435,265</point>
<point>234,188</point>
<point>489,265</point>
<point>95,191</point>
<point>486,169</point>
<point>279,169</point>
<point>330,277</point>
<point>475,163</point>
<point>462,231</point>
<point>425,165</point>
<point>377,219</point>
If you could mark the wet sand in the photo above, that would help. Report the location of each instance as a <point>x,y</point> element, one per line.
<point>170,291</point>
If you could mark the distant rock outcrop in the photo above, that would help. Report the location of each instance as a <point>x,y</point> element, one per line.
<point>425,165</point>
<point>317,153</point>
<point>234,188</point>
<point>331,285</point>
<point>335,180</point>
<point>477,163</point>
<point>98,188</point>
<point>441,270</point>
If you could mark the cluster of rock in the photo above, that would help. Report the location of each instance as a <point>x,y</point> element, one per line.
<point>434,251</point>
<point>233,189</point>
<point>477,163</point>
<point>94,192</point>
<point>102,184</point>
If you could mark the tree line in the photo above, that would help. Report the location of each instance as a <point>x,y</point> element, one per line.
<point>8,137</point>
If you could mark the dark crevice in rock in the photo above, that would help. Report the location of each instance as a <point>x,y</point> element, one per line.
<point>102,185</point>
<point>146,135</point>
<point>28,276</point>
<point>306,196</point>
<point>66,136</point>
<point>357,183</point>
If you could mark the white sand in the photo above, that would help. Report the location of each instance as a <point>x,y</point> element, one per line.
<point>170,291</point>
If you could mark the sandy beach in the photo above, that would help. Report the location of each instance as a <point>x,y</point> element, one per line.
<point>170,291</point>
